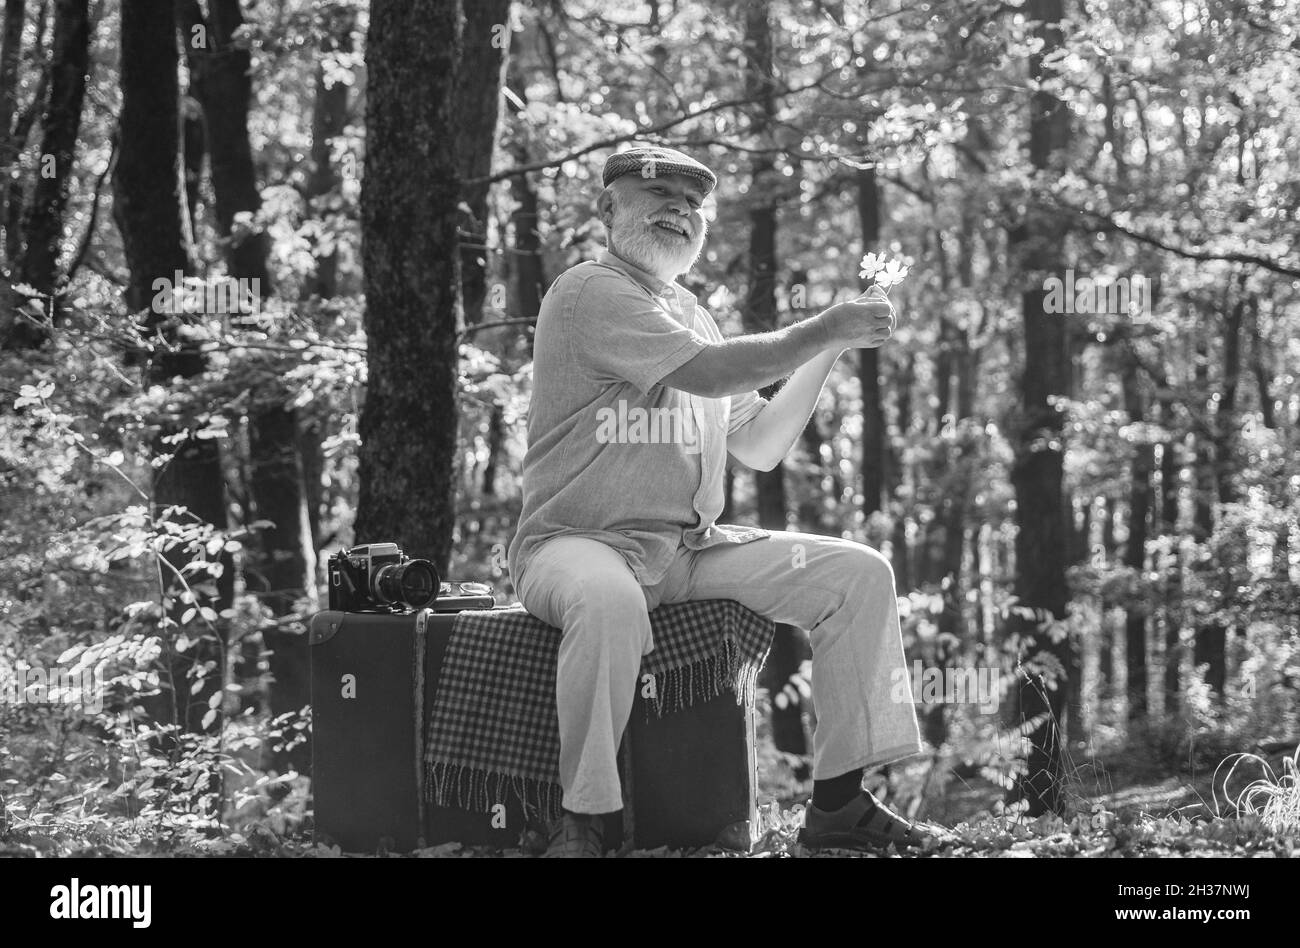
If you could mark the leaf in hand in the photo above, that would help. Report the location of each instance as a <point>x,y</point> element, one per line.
<point>871,264</point>
<point>892,274</point>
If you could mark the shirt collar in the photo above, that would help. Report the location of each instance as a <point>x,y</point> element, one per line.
<point>651,282</point>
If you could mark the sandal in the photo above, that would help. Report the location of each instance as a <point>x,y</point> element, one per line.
<point>863,824</point>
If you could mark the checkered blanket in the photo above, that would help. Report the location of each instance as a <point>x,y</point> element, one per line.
<point>493,730</point>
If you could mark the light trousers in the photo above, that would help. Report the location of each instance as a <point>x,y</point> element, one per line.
<point>839,591</point>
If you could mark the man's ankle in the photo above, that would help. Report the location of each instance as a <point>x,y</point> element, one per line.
<point>835,793</point>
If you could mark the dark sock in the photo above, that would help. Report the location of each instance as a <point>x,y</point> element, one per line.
<point>829,795</point>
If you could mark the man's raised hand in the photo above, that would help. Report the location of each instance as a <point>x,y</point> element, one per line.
<point>862,323</point>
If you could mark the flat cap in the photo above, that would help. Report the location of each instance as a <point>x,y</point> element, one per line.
<point>653,161</point>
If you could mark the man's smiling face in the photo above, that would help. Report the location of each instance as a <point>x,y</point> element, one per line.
<point>658,224</point>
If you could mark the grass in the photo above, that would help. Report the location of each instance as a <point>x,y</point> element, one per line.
<point>1274,799</point>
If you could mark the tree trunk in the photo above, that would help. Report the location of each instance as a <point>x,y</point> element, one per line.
<point>1038,468</point>
<point>43,221</point>
<point>901,559</point>
<point>328,122</point>
<point>481,76</point>
<point>1260,368</point>
<point>758,313</point>
<point>1135,550</point>
<point>1172,577</point>
<point>873,409</point>
<point>149,205</point>
<point>478,97</point>
<point>1208,648</point>
<point>530,279</point>
<point>496,440</point>
<point>285,564</point>
<point>329,118</point>
<point>193,150</point>
<point>1106,647</point>
<point>410,249</point>
<point>11,54</point>
<point>281,566</point>
<point>221,83</point>
<point>16,138</point>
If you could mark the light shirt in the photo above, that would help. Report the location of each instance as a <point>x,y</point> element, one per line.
<point>613,454</point>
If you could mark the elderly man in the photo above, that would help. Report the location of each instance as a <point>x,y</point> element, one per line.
<point>613,526</point>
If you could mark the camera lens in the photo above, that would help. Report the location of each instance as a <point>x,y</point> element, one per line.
<point>414,583</point>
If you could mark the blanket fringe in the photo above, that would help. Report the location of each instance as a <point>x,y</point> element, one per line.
<point>677,689</point>
<point>469,788</point>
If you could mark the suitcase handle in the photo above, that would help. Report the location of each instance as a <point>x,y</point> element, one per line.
<point>462,603</point>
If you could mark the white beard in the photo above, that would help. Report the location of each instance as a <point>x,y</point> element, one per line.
<point>642,243</point>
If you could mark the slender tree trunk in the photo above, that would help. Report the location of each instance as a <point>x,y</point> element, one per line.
<point>478,97</point>
<point>901,559</point>
<point>222,84</point>
<point>409,199</point>
<point>149,205</point>
<point>758,313</point>
<point>874,453</point>
<point>11,54</point>
<point>286,565</point>
<point>16,138</point>
<point>530,278</point>
<point>1135,550</point>
<point>43,221</point>
<point>328,122</point>
<point>1038,469</point>
<point>1224,472</point>
<point>1259,365</point>
<point>193,150</point>
<point>1172,579</point>
<point>1106,648</point>
<point>329,118</point>
<point>1208,648</point>
<point>1081,534</point>
<point>281,568</point>
<point>481,76</point>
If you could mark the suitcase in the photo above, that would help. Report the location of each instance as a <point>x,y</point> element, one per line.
<point>689,777</point>
<point>365,699</point>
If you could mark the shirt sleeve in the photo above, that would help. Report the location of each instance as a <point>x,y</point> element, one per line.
<point>745,407</point>
<point>616,330</point>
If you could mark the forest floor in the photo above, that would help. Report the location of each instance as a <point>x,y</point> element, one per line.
<point>1121,804</point>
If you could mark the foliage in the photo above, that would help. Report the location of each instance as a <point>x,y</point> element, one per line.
<point>1185,119</point>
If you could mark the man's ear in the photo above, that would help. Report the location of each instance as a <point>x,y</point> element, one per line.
<point>605,206</point>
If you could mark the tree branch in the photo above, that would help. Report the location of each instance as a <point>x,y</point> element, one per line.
<point>639,133</point>
<point>1108,223</point>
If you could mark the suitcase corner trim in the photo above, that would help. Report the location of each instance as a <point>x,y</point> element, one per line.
<point>323,626</point>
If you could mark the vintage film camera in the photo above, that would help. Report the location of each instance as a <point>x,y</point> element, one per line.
<point>379,577</point>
